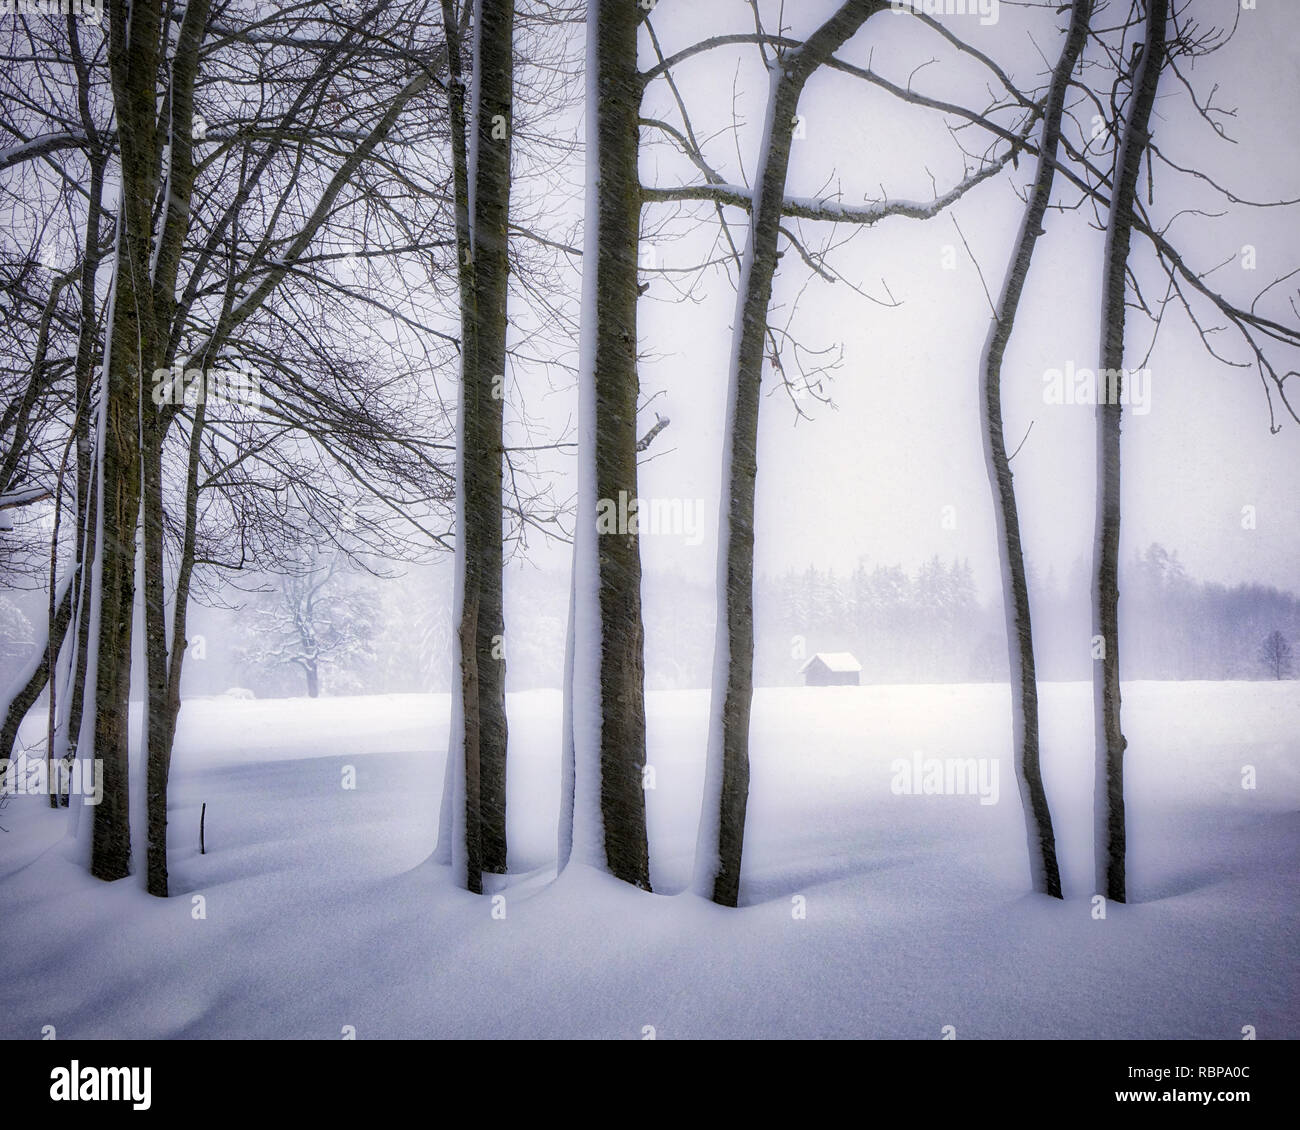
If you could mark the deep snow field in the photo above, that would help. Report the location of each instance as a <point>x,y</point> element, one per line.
<point>867,914</point>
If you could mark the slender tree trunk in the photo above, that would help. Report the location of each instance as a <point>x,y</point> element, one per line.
<point>568,767</point>
<point>1044,873</point>
<point>84,581</point>
<point>459,829</point>
<point>477,750</point>
<point>1110,741</point>
<point>87,339</point>
<point>52,633</point>
<point>118,512</point>
<point>184,576</point>
<point>27,686</point>
<point>490,193</point>
<point>158,755</point>
<point>722,822</point>
<point>178,192</point>
<point>608,696</point>
<point>84,366</point>
<point>134,36</point>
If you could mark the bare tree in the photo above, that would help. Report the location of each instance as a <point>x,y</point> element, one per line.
<point>473,828</point>
<point>722,823</point>
<point>1276,655</point>
<point>602,820</point>
<point>721,836</point>
<point>169,317</point>
<point>1109,828</point>
<point>135,57</point>
<point>1044,871</point>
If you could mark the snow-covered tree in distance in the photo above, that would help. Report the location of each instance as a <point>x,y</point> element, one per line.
<point>1276,655</point>
<point>16,636</point>
<point>316,623</point>
<point>19,661</point>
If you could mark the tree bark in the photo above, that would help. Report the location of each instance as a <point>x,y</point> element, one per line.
<point>179,191</point>
<point>607,710</point>
<point>87,344</point>
<point>133,58</point>
<point>460,830</point>
<point>1044,872</point>
<point>184,576</point>
<point>722,823</point>
<point>1109,829</point>
<point>157,754</point>
<point>489,192</point>
<point>111,843</point>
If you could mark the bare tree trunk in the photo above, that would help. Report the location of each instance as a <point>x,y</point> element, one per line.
<point>607,710</point>
<point>111,843</point>
<point>54,632</point>
<point>568,766</point>
<point>178,191</point>
<point>722,822</point>
<point>1109,827</point>
<point>87,341</point>
<point>158,756</point>
<point>184,576</point>
<point>1044,873</point>
<point>83,372</point>
<point>26,691</point>
<point>133,55</point>
<point>489,184</point>
<point>459,830</point>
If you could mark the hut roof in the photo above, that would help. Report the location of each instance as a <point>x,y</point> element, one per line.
<point>841,662</point>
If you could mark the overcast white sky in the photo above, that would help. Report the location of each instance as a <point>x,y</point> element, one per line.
<point>871,478</point>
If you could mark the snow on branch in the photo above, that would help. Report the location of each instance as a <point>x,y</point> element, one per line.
<point>27,497</point>
<point>835,211</point>
<point>41,146</point>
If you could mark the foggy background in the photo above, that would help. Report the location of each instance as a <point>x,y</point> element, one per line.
<point>875,531</point>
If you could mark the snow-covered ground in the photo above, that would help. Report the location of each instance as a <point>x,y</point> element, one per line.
<point>867,912</point>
